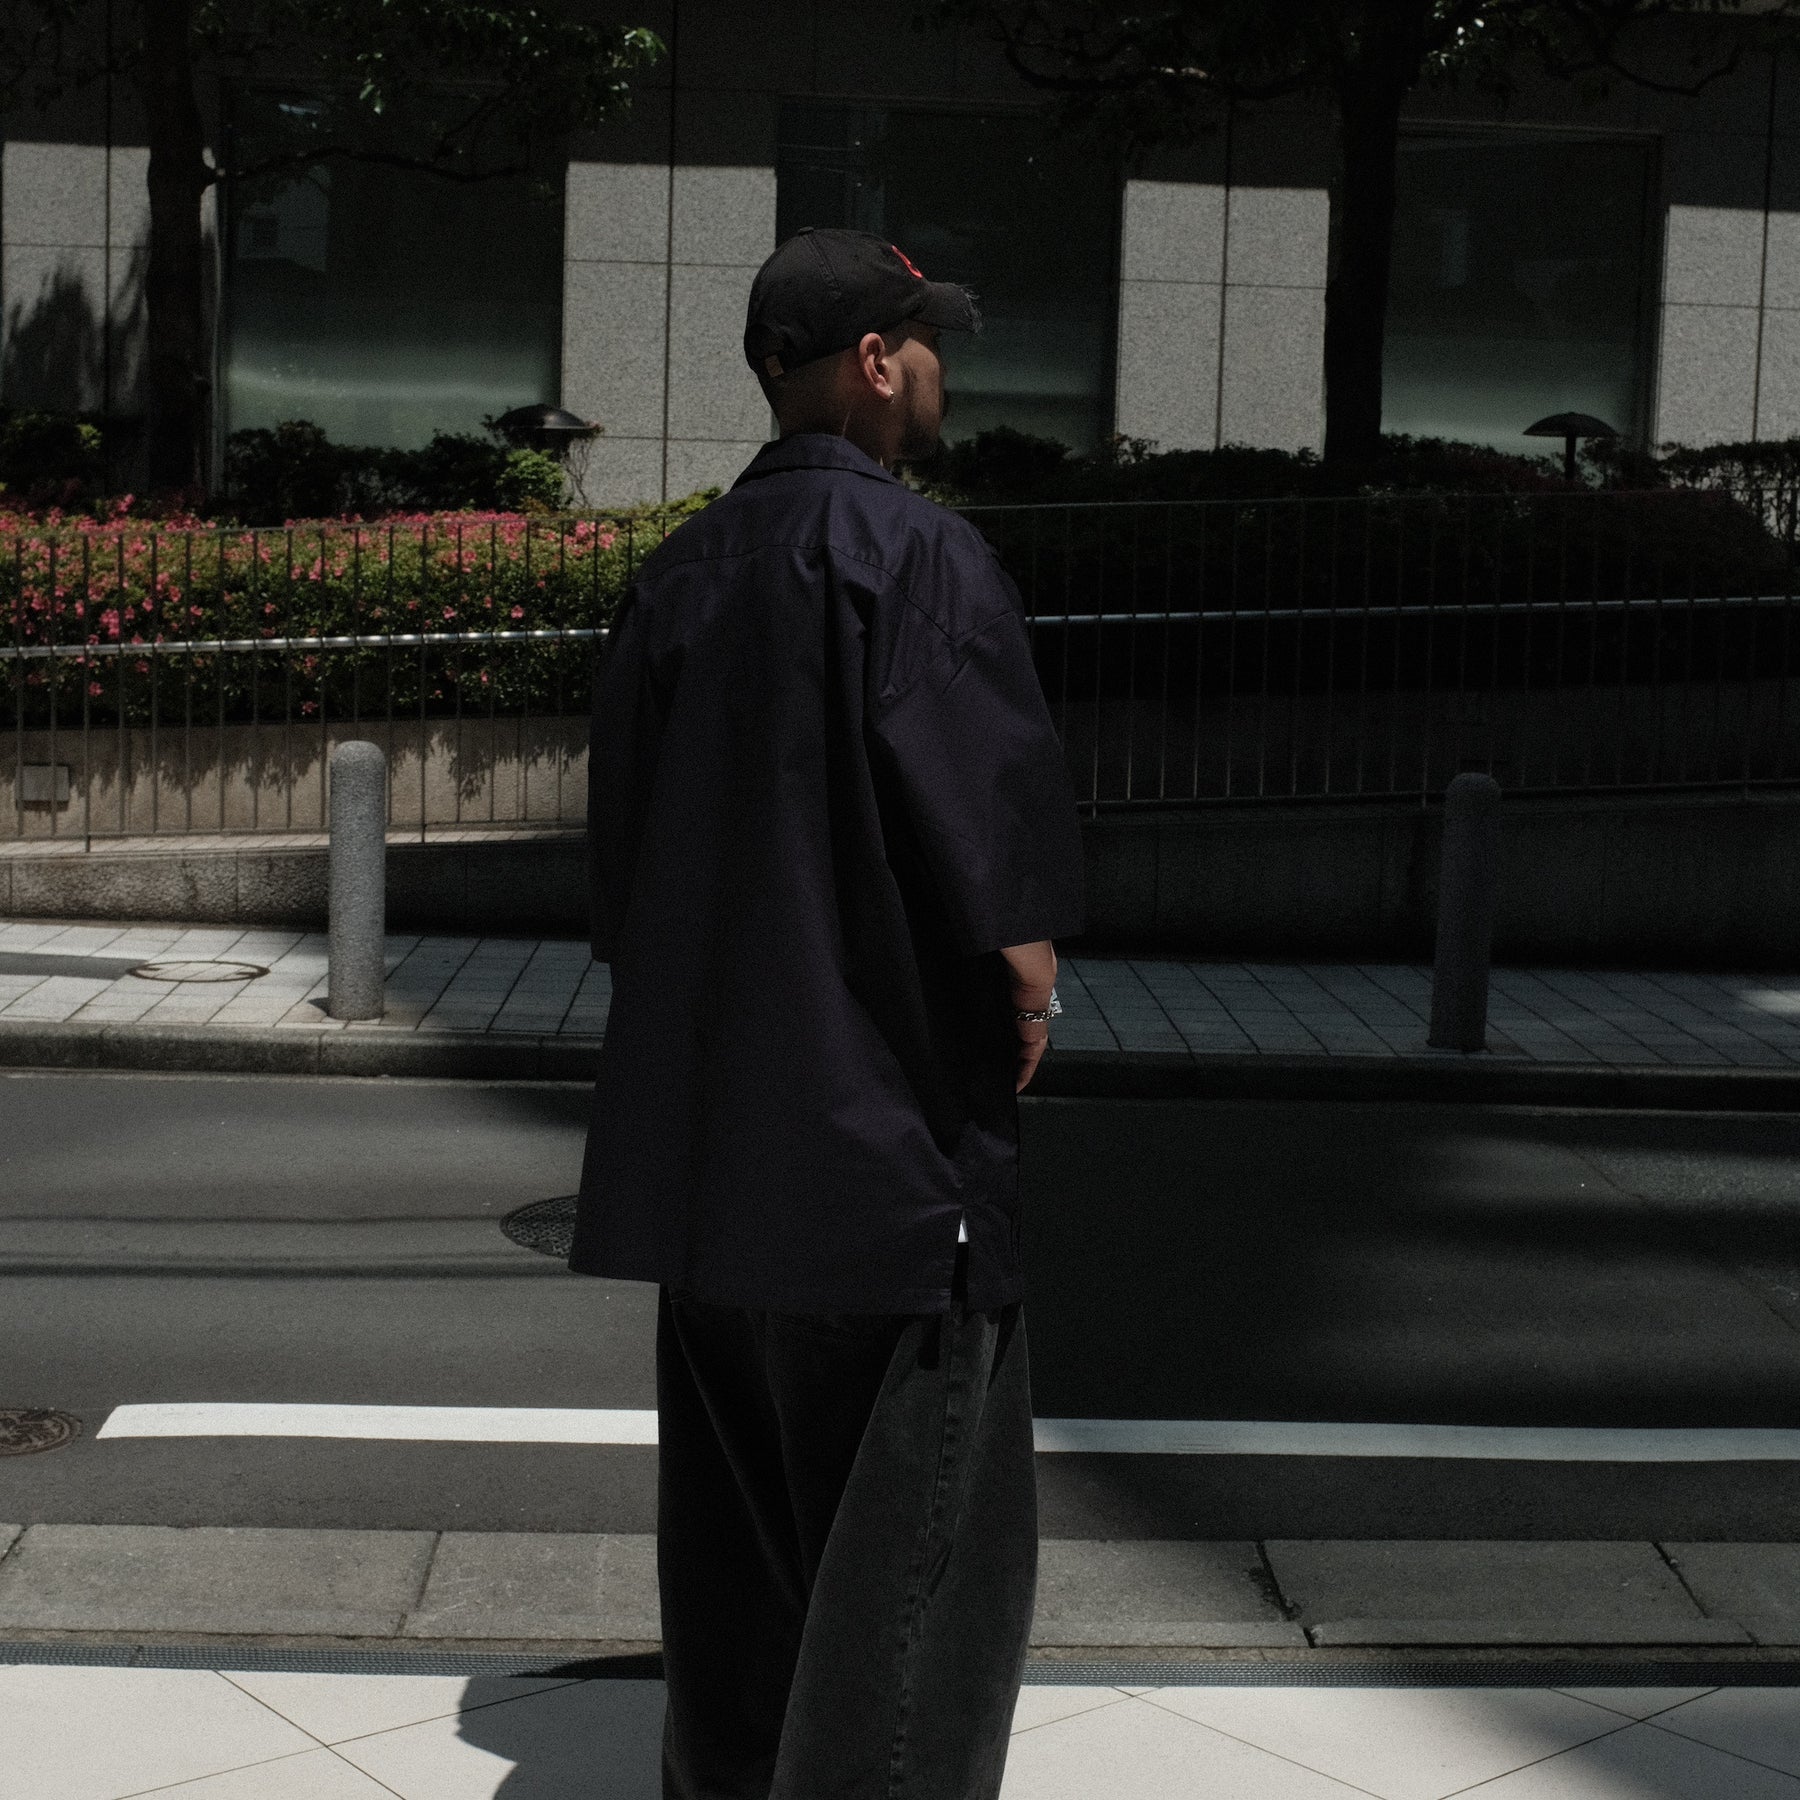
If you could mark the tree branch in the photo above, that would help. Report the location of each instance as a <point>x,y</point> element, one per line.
<point>294,162</point>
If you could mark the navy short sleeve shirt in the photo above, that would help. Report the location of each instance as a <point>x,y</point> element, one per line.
<point>824,793</point>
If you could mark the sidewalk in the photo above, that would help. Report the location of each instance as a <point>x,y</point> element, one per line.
<point>503,1008</point>
<point>227,1728</point>
<point>218,1664</point>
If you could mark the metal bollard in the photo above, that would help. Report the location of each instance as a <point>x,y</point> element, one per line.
<point>358,915</point>
<point>1468,884</point>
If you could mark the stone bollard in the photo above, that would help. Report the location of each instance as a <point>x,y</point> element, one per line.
<point>358,916</point>
<point>1468,883</point>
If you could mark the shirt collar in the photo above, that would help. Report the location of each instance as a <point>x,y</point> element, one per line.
<point>813,450</point>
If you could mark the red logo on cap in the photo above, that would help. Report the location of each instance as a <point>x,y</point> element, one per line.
<point>917,273</point>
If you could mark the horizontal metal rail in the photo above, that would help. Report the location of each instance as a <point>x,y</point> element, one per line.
<point>576,633</point>
<point>253,646</point>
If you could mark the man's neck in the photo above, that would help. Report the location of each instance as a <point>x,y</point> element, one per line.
<point>868,442</point>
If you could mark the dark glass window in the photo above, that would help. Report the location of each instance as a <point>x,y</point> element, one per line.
<point>999,202</point>
<point>1518,287</point>
<point>382,303</point>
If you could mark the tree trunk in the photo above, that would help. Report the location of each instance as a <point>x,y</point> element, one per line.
<point>177,374</point>
<point>1356,295</point>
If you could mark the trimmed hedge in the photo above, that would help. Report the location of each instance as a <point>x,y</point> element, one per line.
<point>84,582</point>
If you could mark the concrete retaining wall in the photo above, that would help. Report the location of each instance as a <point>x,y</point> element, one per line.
<point>1677,881</point>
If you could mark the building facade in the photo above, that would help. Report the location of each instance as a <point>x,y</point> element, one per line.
<point>1634,255</point>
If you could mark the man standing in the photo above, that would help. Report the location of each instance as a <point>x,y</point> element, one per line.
<point>832,838</point>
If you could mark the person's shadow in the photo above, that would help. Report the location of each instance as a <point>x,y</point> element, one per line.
<point>596,1738</point>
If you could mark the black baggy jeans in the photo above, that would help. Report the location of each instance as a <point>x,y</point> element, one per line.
<point>846,1550</point>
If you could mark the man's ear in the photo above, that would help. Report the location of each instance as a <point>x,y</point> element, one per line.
<point>871,364</point>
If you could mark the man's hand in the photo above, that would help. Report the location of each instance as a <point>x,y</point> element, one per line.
<point>1033,968</point>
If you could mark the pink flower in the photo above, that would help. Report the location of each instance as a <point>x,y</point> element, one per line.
<point>518,612</point>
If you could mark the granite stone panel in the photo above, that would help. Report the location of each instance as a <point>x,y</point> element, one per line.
<point>616,212</point>
<point>211,1579</point>
<point>724,44</point>
<point>1103,1582</point>
<point>1778,381</point>
<point>1713,234</point>
<point>535,1585</point>
<point>1706,387</point>
<point>1168,372</point>
<point>622,471</point>
<point>613,314</point>
<point>1277,236</point>
<point>1272,394</point>
<point>733,128</point>
<point>725,216</point>
<point>712,394</point>
<point>852,56</point>
<point>1618,1585</point>
<point>1172,231</point>
<point>707,463</point>
<point>1756,1584</point>
<point>53,194</point>
<point>52,326</point>
<point>129,196</point>
<point>1781,271</point>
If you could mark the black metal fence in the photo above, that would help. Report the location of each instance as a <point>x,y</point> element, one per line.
<point>1191,652</point>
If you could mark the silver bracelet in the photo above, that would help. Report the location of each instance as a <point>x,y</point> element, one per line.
<point>1043,1016</point>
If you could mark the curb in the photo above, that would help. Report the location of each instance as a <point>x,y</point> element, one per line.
<point>435,1592</point>
<point>1451,1079</point>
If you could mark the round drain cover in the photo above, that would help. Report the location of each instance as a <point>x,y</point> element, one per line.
<point>198,971</point>
<point>27,1429</point>
<point>547,1226</point>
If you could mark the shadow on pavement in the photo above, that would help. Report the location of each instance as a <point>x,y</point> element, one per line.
<point>601,1739</point>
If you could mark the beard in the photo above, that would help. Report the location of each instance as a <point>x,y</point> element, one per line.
<point>919,436</point>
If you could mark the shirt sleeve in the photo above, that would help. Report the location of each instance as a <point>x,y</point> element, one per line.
<point>624,740</point>
<point>970,749</point>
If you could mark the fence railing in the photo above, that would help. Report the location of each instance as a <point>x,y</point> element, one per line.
<point>1191,652</point>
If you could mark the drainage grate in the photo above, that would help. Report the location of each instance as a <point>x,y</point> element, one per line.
<point>1317,1669</point>
<point>546,1226</point>
<point>198,971</point>
<point>25,1430</point>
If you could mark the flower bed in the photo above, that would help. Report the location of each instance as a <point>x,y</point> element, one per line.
<point>98,587</point>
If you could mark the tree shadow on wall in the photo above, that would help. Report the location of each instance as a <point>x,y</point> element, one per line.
<point>56,355</point>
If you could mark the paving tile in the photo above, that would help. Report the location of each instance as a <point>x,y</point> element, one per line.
<point>319,1775</point>
<point>551,1743</point>
<point>1756,1584</point>
<point>1637,1702</point>
<point>1643,1762</point>
<point>1045,1705</point>
<point>122,1731</point>
<point>1147,1752</point>
<point>1432,1591</point>
<point>170,1578</point>
<point>1401,1743</point>
<point>333,1708</point>
<point>1761,1724</point>
<point>527,1585</point>
<point>56,997</point>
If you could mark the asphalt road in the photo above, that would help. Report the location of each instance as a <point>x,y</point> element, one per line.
<point>208,1238</point>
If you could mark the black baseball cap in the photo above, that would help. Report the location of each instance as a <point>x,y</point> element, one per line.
<point>824,288</point>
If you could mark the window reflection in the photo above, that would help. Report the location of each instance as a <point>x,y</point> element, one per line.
<point>1518,285</point>
<point>384,304</point>
<point>998,202</point>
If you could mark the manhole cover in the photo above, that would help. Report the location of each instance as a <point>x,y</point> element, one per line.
<point>25,1430</point>
<point>198,971</point>
<point>546,1226</point>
